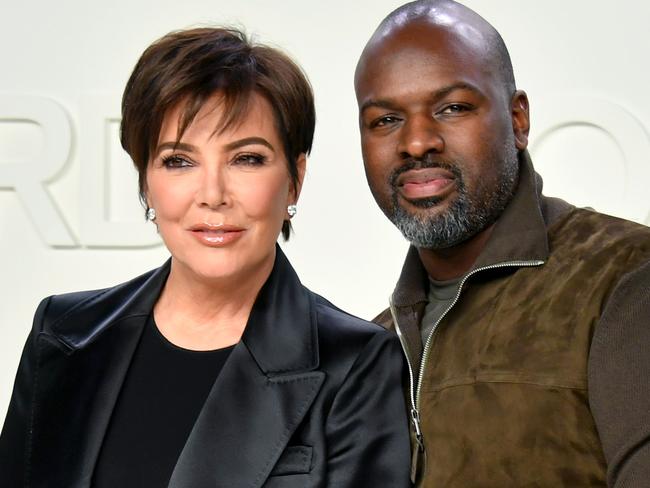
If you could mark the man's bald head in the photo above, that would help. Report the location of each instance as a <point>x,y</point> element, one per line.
<point>441,122</point>
<point>458,20</point>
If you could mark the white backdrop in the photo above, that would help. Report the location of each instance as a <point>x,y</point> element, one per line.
<point>69,215</point>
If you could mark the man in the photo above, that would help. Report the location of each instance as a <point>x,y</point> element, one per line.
<point>525,320</point>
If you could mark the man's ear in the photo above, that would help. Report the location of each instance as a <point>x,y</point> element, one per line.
<point>520,119</point>
<point>301,167</point>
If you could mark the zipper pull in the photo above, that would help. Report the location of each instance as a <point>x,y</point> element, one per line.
<point>418,459</point>
<point>415,418</point>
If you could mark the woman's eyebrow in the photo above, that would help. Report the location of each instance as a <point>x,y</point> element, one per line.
<point>249,141</point>
<point>175,145</point>
<point>230,146</point>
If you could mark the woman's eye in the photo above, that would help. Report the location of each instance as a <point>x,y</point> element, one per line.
<point>249,159</point>
<point>175,161</point>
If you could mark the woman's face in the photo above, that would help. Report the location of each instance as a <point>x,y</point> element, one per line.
<point>221,197</point>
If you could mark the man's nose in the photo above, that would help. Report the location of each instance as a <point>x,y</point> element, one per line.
<point>212,191</point>
<point>420,135</point>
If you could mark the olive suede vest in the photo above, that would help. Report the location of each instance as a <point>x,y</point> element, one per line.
<point>503,394</point>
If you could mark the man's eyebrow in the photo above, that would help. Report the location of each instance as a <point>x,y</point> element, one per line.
<point>443,92</point>
<point>385,103</point>
<point>388,104</point>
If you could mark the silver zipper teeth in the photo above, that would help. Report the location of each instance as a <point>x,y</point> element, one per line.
<point>414,412</point>
<point>415,395</point>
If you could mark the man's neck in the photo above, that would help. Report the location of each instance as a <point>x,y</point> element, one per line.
<point>454,262</point>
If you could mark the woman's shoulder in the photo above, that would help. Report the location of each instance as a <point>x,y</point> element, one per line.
<point>342,330</point>
<point>331,317</point>
<point>352,350</point>
<point>65,314</point>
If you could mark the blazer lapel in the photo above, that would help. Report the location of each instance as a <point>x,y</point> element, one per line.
<point>244,425</point>
<point>262,394</point>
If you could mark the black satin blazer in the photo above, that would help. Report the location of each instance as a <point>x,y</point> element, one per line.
<point>309,397</point>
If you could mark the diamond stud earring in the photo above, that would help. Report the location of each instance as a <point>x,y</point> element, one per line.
<point>151,214</point>
<point>292,210</point>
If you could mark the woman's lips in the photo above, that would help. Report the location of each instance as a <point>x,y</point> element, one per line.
<point>216,235</point>
<point>425,183</point>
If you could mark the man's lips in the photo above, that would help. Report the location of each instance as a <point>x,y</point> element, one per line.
<point>425,183</point>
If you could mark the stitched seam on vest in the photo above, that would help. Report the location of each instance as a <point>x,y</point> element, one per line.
<point>571,384</point>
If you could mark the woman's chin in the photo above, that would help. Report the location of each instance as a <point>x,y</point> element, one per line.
<point>219,268</point>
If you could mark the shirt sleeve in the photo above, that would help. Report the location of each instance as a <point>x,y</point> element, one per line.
<point>367,427</point>
<point>619,381</point>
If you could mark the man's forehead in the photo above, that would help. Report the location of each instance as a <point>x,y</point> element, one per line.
<point>442,36</point>
<point>457,25</point>
<point>414,48</point>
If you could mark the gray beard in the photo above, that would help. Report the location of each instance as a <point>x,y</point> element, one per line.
<point>466,216</point>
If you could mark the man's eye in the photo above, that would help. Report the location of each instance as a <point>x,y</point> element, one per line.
<point>176,161</point>
<point>249,159</point>
<point>383,121</point>
<point>455,108</point>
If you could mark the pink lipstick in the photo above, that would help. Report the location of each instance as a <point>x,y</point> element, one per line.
<point>216,235</point>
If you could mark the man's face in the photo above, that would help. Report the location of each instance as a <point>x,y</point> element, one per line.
<point>437,134</point>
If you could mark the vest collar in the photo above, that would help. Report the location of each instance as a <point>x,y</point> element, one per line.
<point>520,234</point>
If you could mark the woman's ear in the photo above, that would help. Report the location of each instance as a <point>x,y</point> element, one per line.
<point>149,210</point>
<point>145,198</point>
<point>301,167</point>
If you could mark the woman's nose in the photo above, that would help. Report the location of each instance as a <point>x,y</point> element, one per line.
<point>419,136</point>
<point>212,188</point>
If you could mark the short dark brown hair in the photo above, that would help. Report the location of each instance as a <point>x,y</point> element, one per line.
<point>190,66</point>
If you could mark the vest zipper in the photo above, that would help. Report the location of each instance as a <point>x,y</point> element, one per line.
<point>415,390</point>
<point>415,416</point>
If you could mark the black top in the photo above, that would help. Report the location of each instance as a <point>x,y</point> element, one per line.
<point>162,395</point>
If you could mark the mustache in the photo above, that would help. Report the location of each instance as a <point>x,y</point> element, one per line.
<point>423,163</point>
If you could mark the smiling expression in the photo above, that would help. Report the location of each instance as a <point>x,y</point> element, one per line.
<point>438,143</point>
<point>221,196</point>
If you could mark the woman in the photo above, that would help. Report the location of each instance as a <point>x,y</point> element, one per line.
<point>219,369</point>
